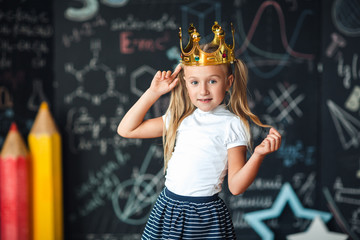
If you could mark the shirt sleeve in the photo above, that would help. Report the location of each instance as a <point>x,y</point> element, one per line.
<point>236,134</point>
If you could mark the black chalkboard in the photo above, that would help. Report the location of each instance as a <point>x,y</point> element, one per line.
<point>303,79</point>
<point>26,62</point>
<point>340,138</point>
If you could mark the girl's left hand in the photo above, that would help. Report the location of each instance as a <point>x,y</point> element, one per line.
<point>270,144</point>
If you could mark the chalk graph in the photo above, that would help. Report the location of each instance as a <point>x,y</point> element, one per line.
<point>280,59</point>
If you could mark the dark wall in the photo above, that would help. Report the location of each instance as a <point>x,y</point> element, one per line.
<point>26,62</point>
<point>303,79</point>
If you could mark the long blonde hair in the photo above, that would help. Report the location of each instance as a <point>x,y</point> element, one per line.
<point>180,107</point>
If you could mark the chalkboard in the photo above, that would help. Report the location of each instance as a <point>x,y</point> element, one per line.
<point>26,62</point>
<point>340,105</point>
<point>303,79</point>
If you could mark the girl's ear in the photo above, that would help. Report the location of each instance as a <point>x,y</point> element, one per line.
<point>230,81</point>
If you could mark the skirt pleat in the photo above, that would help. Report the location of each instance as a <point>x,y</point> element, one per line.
<point>180,217</point>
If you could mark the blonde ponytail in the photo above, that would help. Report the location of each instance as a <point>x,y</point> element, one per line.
<point>238,103</point>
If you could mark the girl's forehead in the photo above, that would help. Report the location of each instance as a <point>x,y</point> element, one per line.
<point>205,70</point>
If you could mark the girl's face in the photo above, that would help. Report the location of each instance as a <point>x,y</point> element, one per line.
<point>207,85</point>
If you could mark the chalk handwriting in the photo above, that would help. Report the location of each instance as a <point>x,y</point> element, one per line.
<point>130,23</point>
<point>250,202</point>
<point>129,44</point>
<point>346,71</point>
<point>85,131</point>
<point>99,186</point>
<point>86,29</point>
<point>24,31</point>
<point>261,184</point>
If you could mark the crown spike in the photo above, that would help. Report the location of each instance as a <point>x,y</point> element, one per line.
<point>193,55</point>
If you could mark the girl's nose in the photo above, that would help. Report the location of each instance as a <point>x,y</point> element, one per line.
<point>204,90</point>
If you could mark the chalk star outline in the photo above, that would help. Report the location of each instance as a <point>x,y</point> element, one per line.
<point>286,195</point>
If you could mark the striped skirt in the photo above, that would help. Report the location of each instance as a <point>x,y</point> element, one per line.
<point>181,217</point>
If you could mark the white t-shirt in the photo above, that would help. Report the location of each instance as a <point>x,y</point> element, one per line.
<point>199,162</point>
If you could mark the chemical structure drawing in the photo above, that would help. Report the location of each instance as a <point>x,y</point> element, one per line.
<point>137,75</point>
<point>94,65</point>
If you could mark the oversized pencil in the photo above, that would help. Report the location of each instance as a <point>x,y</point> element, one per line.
<point>14,187</point>
<point>45,148</point>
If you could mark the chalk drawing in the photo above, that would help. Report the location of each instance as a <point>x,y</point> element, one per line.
<point>349,72</point>
<point>337,41</point>
<point>347,126</point>
<point>353,101</point>
<point>142,190</point>
<point>37,96</point>
<point>355,221</point>
<point>293,154</point>
<point>6,100</point>
<point>280,60</point>
<point>89,9</point>
<point>346,16</point>
<point>138,73</point>
<point>109,77</point>
<point>346,195</point>
<point>286,195</point>
<point>285,103</point>
<point>210,12</point>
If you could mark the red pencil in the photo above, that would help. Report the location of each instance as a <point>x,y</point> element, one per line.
<point>14,187</point>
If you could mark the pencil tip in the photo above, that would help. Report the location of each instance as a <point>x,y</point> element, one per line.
<point>13,127</point>
<point>44,105</point>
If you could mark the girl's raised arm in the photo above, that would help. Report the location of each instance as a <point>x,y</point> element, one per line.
<point>133,125</point>
<point>241,173</point>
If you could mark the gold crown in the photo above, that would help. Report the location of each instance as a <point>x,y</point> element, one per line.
<point>192,55</point>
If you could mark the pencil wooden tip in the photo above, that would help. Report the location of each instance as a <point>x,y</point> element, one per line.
<point>44,105</point>
<point>13,127</point>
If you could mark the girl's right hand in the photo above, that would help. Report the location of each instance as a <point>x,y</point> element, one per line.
<point>163,82</point>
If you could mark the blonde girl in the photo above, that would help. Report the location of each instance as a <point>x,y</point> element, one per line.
<point>206,136</point>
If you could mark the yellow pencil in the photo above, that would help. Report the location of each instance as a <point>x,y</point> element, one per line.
<point>45,148</point>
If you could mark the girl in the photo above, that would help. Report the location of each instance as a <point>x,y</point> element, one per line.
<point>205,137</point>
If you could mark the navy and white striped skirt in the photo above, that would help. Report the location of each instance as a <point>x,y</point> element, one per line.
<point>180,217</point>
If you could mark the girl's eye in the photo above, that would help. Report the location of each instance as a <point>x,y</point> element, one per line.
<point>194,82</point>
<point>212,81</point>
